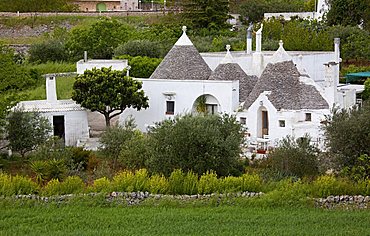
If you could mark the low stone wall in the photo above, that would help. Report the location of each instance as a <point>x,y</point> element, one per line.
<point>343,201</point>
<point>107,13</point>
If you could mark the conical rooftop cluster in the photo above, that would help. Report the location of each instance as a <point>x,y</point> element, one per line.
<point>229,70</point>
<point>183,62</point>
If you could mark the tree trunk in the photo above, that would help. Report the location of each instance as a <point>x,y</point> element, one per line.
<point>107,120</point>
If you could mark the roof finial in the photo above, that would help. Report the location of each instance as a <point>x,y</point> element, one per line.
<point>184,29</point>
<point>228,47</point>
<point>281,43</point>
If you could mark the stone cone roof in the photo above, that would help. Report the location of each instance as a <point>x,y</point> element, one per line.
<point>183,62</point>
<point>287,91</point>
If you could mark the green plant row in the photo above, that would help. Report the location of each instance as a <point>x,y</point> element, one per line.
<point>185,183</point>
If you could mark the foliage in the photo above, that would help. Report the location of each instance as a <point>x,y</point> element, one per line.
<point>136,152</point>
<point>208,183</point>
<point>348,12</point>
<point>124,181</point>
<point>52,50</point>
<point>355,124</point>
<point>158,184</point>
<point>36,5</point>
<point>294,157</point>
<point>211,14</point>
<point>176,181</point>
<point>72,184</point>
<point>213,144</point>
<point>251,183</point>
<point>360,170</point>
<point>325,186</point>
<point>141,67</point>
<point>139,48</point>
<point>26,131</point>
<point>366,93</point>
<point>56,169</point>
<point>99,40</point>
<point>101,185</point>
<point>109,92</point>
<point>12,185</point>
<point>52,67</point>
<point>53,187</point>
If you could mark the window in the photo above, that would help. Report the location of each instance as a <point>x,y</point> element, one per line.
<point>170,107</point>
<point>243,120</point>
<point>211,108</point>
<point>308,117</point>
<point>281,123</point>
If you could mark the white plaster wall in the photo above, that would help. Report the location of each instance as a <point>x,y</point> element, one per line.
<point>115,64</point>
<point>185,92</point>
<point>289,15</point>
<point>313,62</point>
<point>295,124</point>
<point>75,125</point>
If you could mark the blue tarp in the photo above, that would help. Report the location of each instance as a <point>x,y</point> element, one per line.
<point>357,76</point>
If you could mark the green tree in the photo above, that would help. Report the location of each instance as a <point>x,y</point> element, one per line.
<point>348,134</point>
<point>348,12</point>
<point>198,143</point>
<point>139,48</point>
<point>108,92</point>
<point>26,131</point>
<point>99,39</point>
<point>141,67</point>
<point>366,92</point>
<point>210,14</point>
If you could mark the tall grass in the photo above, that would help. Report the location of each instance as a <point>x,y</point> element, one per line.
<point>53,67</point>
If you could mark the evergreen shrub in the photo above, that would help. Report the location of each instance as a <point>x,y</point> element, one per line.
<point>158,184</point>
<point>72,184</point>
<point>12,185</point>
<point>101,185</point>
<point>52,188</point>
<point>176,182</point>
<point>208,183</point>
<point>124,182</point>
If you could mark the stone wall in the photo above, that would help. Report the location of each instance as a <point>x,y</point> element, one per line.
<point>344,201</point>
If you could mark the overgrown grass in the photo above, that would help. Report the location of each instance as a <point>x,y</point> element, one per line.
<point>79,219</point>
<point>53,67</point>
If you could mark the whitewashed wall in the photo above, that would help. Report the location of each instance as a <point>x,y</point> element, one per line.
<point>88,65</point>
<point>185,93</point>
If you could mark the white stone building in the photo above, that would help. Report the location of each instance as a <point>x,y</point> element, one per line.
<point>68,119</point>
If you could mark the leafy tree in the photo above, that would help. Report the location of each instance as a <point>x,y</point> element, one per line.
<point>294,157</point>
<point>347,12</point>
<point>206,13</point>
<point>348,134</point>
<point>142,67</point>
<point>198,143</point>
<point>51,50</point>
<point>108,92</point>
<point>99,39</point>
<point>139,48</point>
<point>26,131</point>
<point>366,92</point>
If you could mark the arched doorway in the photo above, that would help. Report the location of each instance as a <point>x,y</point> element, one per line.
<point>101,7</point>
<point>206,104</point>
<point>262,122</point>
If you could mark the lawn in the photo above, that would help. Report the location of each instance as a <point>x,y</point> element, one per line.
<point>77,219</point>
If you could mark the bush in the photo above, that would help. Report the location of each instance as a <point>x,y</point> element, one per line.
<point>208,183</point>
<point>231,184</point>
<point>101,185</point>
<point>51,50</point>
<point>328,185</point>
<point>141,180</point>
<point>190,184</point>
<point>294,157</point>
<point>158,184</point>
<point>213,144</point>
<point>12,185</point>
<point>141,67</point>
<point>56,169</point>
<point>40,169</point>
<point>53,187</point>
<point>361,169</point>
<point>72,185</point>
<point>136,152</point>
<point>143,48</point>
<point>176,181</point>
<point>124,182</point>
<point>251,183</point>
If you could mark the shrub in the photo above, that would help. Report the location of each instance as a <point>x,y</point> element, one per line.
<point>251,183</point>
<point>124,181</point>
<point>190,184</point>
<point>141,180</point>
<point>361,169</point>
<point>51,50</point>
<point>213,143</point>
<point>294,157</point>
<point>328,185</point>
<point>141,67</point>
<point>12,185</point>
<point>101,185</point>
<point>40,169</point>
<point>139,48</point>
<point>158,184</point>
<point>72,184</point>
<point>231,184</point>
<point>136,152</point>
<point>176,181</point>
<point>208,183</point>
<point>56,169</point>
<point>53,187</point>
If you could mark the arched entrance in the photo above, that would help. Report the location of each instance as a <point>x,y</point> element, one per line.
<point>101,7</point>
<point>206,104</point>
<point>262,122</point>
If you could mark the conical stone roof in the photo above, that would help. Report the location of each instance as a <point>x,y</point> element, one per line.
<point>229,70</point>
<point>287,91</point>
<point>183,62</point>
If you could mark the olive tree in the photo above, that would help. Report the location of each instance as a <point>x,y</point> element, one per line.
<point>108,92</point>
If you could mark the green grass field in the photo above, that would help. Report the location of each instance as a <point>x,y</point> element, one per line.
<point>198,220</point>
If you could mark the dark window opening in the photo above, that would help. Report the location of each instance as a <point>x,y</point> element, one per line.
<point>170,107</point>
<point>58,126</point>
<point>243,120</point>
<point>211,108</point>
<point>308,117</point>
<point>281,123</point>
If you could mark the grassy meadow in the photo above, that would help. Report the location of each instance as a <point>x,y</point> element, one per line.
<point>179,220</point>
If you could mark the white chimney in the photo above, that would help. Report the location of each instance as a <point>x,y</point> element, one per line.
<point>51,92</point>
<point>85,56</point>
<point>259,39</point>
<point>249,39</point>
